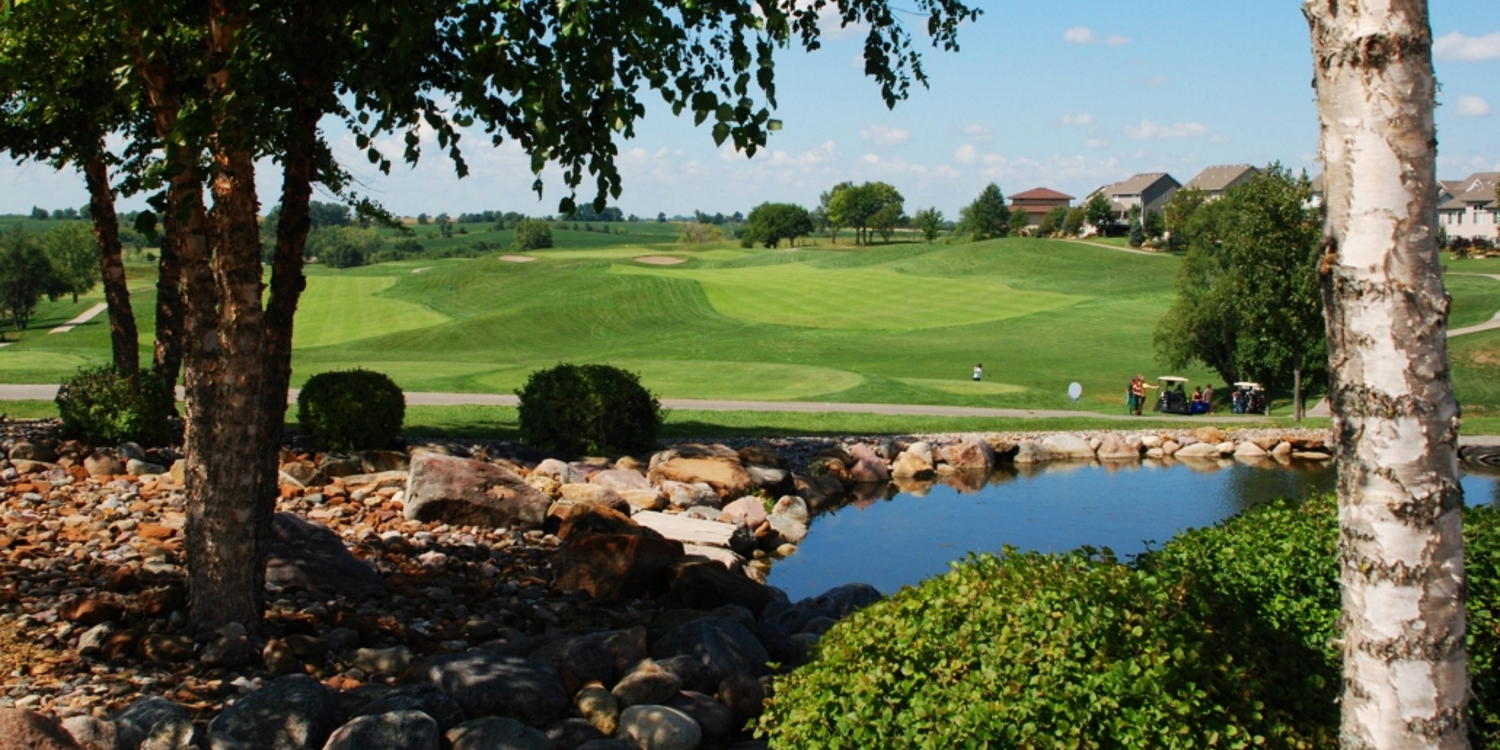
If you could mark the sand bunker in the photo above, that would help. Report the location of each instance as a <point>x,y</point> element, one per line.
<point>659,260</point>
<point>516,258</point>
<point>419,270</point>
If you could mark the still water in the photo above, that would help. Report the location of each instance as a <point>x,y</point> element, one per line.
<point>895,542</point>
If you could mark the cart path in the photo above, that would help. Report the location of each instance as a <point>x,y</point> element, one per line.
<point>87,315</point>
<point>417,398</point>
<point>1102,246</point>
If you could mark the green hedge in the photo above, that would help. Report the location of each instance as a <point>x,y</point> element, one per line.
<point>104,406</point>
<point>588,409</point>
<point>351,410</point>
<point>1221,638</point>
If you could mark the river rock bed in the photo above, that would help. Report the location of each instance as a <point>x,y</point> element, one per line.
<point>457,594</point>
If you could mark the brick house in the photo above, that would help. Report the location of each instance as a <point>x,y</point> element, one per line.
<point>1037,203</point>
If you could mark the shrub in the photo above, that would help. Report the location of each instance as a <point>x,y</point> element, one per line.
<point>108,407</point>
<point>532,234</point>
<point>1223,637</point>
<point>588,409</point>
<point>351,410</point>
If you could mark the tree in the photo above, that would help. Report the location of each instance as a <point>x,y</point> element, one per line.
<point>987,216</point>
<point>695,233</point>
<point>929,221</point>
<point>885,221</point>
<point>40,214</point>
<point>532,234</point>
<point>1137,229</point>
<point>1248,304</point>
<point>1178,215</point>
<point>1054,222</point>
<point>661,217</point>
<point>444,225</point>
<point>770,223</point>
<point>1400,503</point>
<point>26,275</point>
<point>1018,222</point>
<point>423,219</point>
<point>1100,213</point>
<point>343,246</point>
<point>826,217</point>
<point>1154,225</point>
<point>1074,220</point>
<point>75,256</point>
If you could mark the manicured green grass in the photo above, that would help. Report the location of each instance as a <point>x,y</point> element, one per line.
<point>341,308</point>
<point>1476,299</point>
<point>28,409</point>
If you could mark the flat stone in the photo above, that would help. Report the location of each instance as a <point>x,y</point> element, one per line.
<point>697,531</point>
<point>620,479</point>
<point>724,474</point>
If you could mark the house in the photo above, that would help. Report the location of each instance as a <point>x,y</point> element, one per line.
<point>1037,203</point>
<point>1151,190</point>
<point>1215,180</point>
<point>1468,208</point>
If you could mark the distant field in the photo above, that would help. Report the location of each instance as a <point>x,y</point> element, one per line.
<point>903,323</point>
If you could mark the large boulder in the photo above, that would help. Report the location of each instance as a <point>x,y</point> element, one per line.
<point>713,717</point>
<point>1198,451</point>
<point>24,730</point>
<point>868,466</point>
<point>156,723</point>
<point>723,645</point>
<point>496,685</point>
<point>699,531</point>
<point>496,733</point>
<point>915,461</point>
<point>708,587</point>
<point>847,598</point>
<point>579,660</point>
<point>1115,448</point>
<point>688,495</point>
<point>289,713</point>
<point>308,554</point>
<point>749,510</point>
<point>1031,452</point>
<point>621,479</point>
<point>1066,447</point>
<point>968,454</point>
<point>397,730</point>
<point>616,568</point>
<point>1249,451</point>
<point>647,683</point>
<point>659,728</point>
<point>465,492</point>
<point>716,466</point>
<point>418,696</point>
<point>582,519</point>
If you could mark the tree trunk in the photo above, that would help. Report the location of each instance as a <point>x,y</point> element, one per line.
<point>123,338</point>
<point>1297,393</point>
<point>184,201</point>
<point>1395,417</point>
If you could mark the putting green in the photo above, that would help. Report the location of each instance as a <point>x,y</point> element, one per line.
<point>751,381</point>
<point>966,387</point>
<point>337,309</point>
<point>861,298</point>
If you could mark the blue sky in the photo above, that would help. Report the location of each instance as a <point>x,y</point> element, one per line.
<point>1067,95</point>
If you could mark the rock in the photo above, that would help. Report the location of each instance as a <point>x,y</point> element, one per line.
<point>725,558</point>
<point>1311,456</point>
<point>99,464</point>
<point>279,659</point>
<point>170,649</point>
<point>1151,441</point>
<point>708,587</point>
<point>644,500</point>
<point>744,696</point>
<point>867,465</point>
<point>568,734</point>
<point>749,510</point>
<point>684,495</point>
<point>1115,448</point>
<point>845,599</point>
<point>585,518</point>
<point>605,745</point>
<point>696,531</point>
<point>24,730</point>
<point>1067,447</point>
<point>599,707</point>
<point>93,639</point>
<point>968,454</point>
<point>418,697</point>
<point>723,473</point>
<point>1249,450</point>
<point>1282,448</point>
<point>465,492</point>
<point>1170,448</point>
<point>767,478</point>
<point>620,479</point>
<point>1209,435</point>
<point>394,660</point>
<point>725,646</point>
<point>156,723</point>
<point>92,733</point>
<point>230,649</point>
<point>289,713</point>
<point>25,450</point>
<point>592,493</point>
<point>792,507</point>
<point>92,610</point>
<point>495,685</point>
<point>301,474</point>
<point>557,470</point>
<point>307,554</point>
<point>137,468</point>
<point>580,661</point>
<point>790,531</point>
<point>1031,452</point>
<point>497,733</point>
<point>648,683</point>
<point>818,492</point>
<point>1197,450</point>
<point>760,455</point>
<point>398,730</point>
<point>714,718</point>
<point>375,462</point>
<point>829,468</point>
<point>659,728</point>
<point>1226,448</point>
<point>616,568</point>
<point>915,461</point>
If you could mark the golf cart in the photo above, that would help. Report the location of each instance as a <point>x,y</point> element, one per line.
<point>1250,398</point>
<point>1173,398</point>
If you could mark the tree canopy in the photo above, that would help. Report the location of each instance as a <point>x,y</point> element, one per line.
<point>770,223</point>
<point>987,216</point>
<point>859,207</point>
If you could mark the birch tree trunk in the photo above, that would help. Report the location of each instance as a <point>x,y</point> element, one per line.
<point>122,330</point>
<point>1400,504</point>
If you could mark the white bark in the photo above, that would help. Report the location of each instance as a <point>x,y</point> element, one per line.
<point>1400,505</point>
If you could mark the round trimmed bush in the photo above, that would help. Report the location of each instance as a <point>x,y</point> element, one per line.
<point>106,407</point>
<point>351,410</point>
<point>1221,638</point>
<point>588,410</point>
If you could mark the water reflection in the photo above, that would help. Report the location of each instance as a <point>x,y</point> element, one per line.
<point>898,534</point>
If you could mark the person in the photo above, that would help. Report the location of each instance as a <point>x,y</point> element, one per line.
<point>1197,404</point>
<point>1208,398</point>
<point>1239,402</point>
<point>978,372</point>
<point>1132,395</point>
<point>1138,388</point>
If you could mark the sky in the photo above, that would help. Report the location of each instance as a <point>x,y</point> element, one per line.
<point>1067,95</point>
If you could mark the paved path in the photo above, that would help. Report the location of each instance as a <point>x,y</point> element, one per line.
<point>81,319</point>
<point>1490,325</point>
<point>1103,246</point>
<point>48,392</point>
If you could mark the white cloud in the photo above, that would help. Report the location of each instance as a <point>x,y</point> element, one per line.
<point>1116,40</point>
<point>1095,143</point>
<point>978,133</point>
<point>1079,35</point>
<point>1150,131</point>
<point>1081,120</point>
<point>883,135</point>
<point>1457,46</point>
<point>1218,139</point>
<point>1155,81</point>
<point>966,154</point>
<point>1472,106</point>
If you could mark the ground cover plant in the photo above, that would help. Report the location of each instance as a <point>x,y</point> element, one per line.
<point>903,323</point>
<point>1223,637</point>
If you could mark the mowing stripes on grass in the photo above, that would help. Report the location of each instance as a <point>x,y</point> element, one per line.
<point>337,309</point>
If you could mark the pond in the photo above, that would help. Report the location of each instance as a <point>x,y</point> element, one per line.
<point>897,538</point>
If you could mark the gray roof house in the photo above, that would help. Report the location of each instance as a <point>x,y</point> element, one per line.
<point>1215,180</point>
<point>1468,208</point>
<point>1151,190</point>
